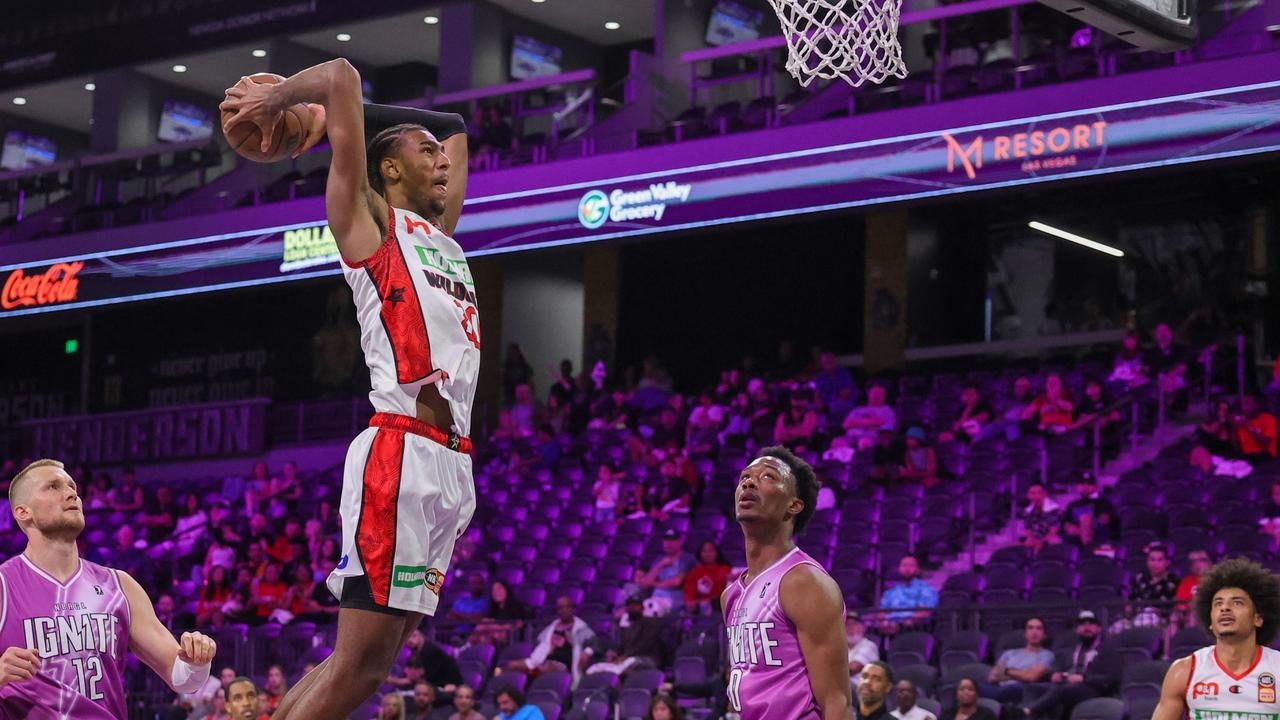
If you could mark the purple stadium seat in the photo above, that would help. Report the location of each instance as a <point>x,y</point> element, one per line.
<point>555,682</point>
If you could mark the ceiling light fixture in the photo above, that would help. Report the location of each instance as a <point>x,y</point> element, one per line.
<point>19,101</point>
<point>90,86</point>
<point>344,37</point>
<point>179,68</point>
<point>1072,237</point>
<point>431,19</point>
<point>611,25</point>
<point>259,53</point>
<point>539,1</point>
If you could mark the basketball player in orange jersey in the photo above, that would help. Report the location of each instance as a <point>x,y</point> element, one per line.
<point>407,489</point>
<point>788,652</point>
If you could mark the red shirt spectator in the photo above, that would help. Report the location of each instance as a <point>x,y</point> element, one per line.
<point>1256,429</point>
<point>269,593</point>
<point>1054,408</point>
<point>704,583</point>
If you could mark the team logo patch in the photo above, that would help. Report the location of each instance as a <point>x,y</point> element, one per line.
<point>412,576</point>
<point>343,562</point>
<point>1266,688</point>
<point>1235,690</point>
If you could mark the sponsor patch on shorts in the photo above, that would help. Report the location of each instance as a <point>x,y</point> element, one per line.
<point>412,576</point>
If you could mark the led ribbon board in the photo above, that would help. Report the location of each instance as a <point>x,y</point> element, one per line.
<point>1119,138</point>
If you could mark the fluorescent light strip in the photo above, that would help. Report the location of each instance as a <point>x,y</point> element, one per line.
<point>926,135</point>
<point>1077,239</point>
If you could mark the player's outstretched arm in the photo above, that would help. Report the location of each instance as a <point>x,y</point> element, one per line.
<point>1173,694</point>
<point>183,665</point>
<point>456,149</point>
<point>813,602</point>
<point>356,213</point>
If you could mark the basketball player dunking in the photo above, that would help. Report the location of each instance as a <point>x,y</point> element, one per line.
<point>407,490</point>
<point>66,623</point>
<point>1235,678</point>
<point>785,616</point>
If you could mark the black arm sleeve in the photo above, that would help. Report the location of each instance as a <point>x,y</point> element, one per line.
<point>380,117</point>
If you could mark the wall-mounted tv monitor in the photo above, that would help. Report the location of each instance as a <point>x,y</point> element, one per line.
<point>183,122</point>
<point>22,151</point>
<point>733,23</point>
<point>532,58</point>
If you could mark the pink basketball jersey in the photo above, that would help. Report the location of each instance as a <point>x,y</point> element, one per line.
<point>767,678</point>
<point>416,304</point>
<point>80,629</point>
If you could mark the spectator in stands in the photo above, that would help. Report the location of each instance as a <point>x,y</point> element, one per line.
<point>832,379</point>
<point>1086,670</point>
<point>1053,410</point>
<point>866,421</point>
<point>674,494</point>
<point>640,641</point>
<point>204,703</point>
<point>1011,420</point>
<point>506,616</point>
<point>256,488</point>
<point>524,411</point>
<point>290,545</point>
<point>911,594</point>
<point>1019,666</point>
<point>1153,589</point>
<point>907,708</point>
<point>1256,432</point>
<point>464,701</point>
<point>796,427</point>
<point>668,428</point>
<point>259,531</point>
<point>391,707</point>
<point>126,555</point>
<point>424,700</point>
<point>1091,521</point>
<point>1215,433</point>
<point>472,607</point>
<point>277,686</point>
<point>666,576</point>
<point>742,414</point>
<point>497,131</point>
<point>127,496</point>
<point>664,707</point>
<point>706,580</point>
<point>1198,563</point>
<point>607,489</point>
<point>919,459</point>
<point>634,503</point>
<point>1092,407</point>
<point>438,667</point>
<point>97,496</point>
<point>1129,370</point>
<point>861,649</point>
<point>242,699</point>
<point>192,525</point>
<point>167,613</point>
<point>705,421</point>
<point>1042,518</point>
<point>975,415</point>
<point>887,457</point>
<point>1273,387</point>
<point>1168,362</point>
<point>966,703</point>
<point>873,690</point>
<point>565,644</point>
<point>511,706</point>
<point>269,593</point>
<point>1270,521</point>
<point>214,593</point>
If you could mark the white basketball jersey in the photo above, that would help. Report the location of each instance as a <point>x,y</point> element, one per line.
<point>1213,693</point>
<point>416,304</point>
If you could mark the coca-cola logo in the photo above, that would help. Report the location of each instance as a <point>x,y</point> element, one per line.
<point>58,284</point>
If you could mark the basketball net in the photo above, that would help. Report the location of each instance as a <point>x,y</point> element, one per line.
<point>854,40</point>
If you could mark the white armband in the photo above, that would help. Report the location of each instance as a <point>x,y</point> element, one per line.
<point>188,678</point>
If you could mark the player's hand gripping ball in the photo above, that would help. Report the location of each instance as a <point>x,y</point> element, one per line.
<point>196,648</point>
<point>18,664</point>
<point>259,130</point>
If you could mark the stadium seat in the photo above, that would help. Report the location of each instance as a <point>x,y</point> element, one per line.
<point>1103,708</point>
<point>633,703</point>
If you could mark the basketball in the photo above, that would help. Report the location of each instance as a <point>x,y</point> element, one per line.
<point>290,130</point>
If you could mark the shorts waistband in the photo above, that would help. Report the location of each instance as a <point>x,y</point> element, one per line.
<point>404,423</point>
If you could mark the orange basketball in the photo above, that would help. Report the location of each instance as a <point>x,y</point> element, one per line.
<point>290,130</point>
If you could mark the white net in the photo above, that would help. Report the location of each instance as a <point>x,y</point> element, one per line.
<point>855,40</point>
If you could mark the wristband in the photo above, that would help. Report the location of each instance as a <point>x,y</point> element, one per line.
<point>442,125</point>
<point>187,678</point>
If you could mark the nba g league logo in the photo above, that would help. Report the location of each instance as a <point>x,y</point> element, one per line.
<point>593,209</point>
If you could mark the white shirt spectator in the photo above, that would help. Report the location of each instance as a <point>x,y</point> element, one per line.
<point>863,651</point>
<point>915,713</point>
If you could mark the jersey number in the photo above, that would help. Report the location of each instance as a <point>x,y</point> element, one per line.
<point>89,680</point>
<point>470,322</point>
<point>735,684</point>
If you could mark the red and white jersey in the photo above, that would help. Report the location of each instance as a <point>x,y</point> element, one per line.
<point>1214,693</point>
<point>416,304</point>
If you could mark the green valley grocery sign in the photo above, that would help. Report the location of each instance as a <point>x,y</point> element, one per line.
<point>648,203</point>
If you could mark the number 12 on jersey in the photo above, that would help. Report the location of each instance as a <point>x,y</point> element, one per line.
<point>89,679</point>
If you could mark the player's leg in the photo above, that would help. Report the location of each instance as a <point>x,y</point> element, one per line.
<point>368,643</point>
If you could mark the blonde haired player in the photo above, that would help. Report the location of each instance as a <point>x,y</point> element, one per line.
<point>66,623</point>
<point>392,203</point>
<point>1235,678</point>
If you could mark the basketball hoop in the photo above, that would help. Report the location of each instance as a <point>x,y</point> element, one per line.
<point>854,40</point>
